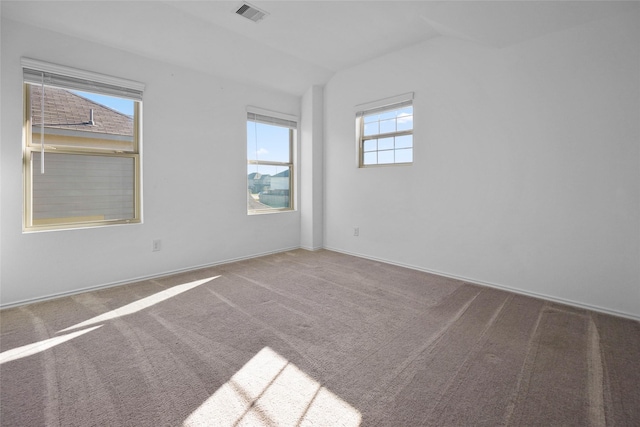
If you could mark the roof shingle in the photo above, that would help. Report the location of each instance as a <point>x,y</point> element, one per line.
<point>64,109</point>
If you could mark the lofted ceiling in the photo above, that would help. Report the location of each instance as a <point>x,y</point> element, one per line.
<point>299,43</point>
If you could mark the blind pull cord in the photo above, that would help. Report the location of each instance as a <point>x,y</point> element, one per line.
<point>255,127</point>
<point>42,126</point>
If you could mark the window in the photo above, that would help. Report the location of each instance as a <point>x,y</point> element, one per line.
<point>270,143</point>
<point>81,151</point>
<point>385,131</point>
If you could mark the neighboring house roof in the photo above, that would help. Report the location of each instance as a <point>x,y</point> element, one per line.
<point>64,109</point>
<point>283,174</point>
<point>258,177</point>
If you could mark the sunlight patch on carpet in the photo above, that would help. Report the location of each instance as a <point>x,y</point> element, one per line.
<point>141,304</point>
<point>37,347</point>
<point>269,390</point>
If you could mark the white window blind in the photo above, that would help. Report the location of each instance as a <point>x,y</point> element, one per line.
<point>266,117</point>
<point>59,76</point>
<point>81,188</point>
<point>394,102</point>
<point>385,108</point>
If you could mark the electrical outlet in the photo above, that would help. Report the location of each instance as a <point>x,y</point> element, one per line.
<point>356,231</point>
<point>157,245</point>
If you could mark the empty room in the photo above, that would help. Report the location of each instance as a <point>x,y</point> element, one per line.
<point>320,213</point>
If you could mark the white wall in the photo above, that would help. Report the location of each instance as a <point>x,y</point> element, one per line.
<point>194,157</point>
<point>526,166</point>
<point>311,165</point>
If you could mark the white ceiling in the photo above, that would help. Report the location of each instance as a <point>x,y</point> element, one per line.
<point>300,43</point>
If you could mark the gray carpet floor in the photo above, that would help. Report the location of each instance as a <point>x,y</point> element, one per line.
<point>310,339</point>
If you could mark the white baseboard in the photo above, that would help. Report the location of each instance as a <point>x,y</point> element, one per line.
<point>494,285</point>
<point>311,248</point>
<point>141,278</point>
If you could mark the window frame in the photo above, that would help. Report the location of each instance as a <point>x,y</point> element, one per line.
<point>381,106</point>
<point>283,120</point>
<point>30,146</point>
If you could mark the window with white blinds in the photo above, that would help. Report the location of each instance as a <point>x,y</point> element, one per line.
<point>270,146</point>
<point>82,148</point>
<point>385,131</point>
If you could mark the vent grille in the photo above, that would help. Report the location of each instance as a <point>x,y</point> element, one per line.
<point>251,12</point>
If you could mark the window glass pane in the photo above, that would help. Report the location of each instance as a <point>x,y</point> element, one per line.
<point>387,126</point>
<point>385,143</point>
<point>386,115</point>
<point>370,158</point>
<point>76,119</point>
<point>404,156</point>
<point>370,145</point>
<point>405,122</point>
<point>269,187</point>
<point>385,157</point>
<point>371,118</point>
<point>82,188</point>
<point>121,105</point>
<point>371,129</point>
<point>404,141</point>
<point>406,111</point>
<point>268,142</point>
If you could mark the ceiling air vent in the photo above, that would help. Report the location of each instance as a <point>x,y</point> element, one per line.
<point>251,12</point>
